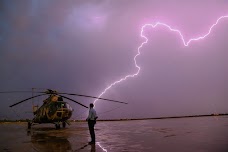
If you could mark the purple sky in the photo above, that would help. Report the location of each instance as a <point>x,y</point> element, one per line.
<point>84,46</point>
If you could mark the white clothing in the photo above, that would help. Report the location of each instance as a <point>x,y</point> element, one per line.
<point>92,114</point>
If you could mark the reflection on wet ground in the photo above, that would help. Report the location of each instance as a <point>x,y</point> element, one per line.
<point>42,141</point>
<point>187,134</point>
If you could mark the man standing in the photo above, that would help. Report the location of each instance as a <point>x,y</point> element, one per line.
<point>92,117</point>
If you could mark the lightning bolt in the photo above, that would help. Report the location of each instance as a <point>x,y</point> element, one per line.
<point>157,24</point>
<point>105,150</point>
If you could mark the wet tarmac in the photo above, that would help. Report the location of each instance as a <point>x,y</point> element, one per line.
<point>204,134</point>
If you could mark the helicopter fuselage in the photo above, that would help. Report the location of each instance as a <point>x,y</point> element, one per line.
<point>52,112</point>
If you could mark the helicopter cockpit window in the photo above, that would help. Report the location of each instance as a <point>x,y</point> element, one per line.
<point>61,105</point>
<point>68,106</point>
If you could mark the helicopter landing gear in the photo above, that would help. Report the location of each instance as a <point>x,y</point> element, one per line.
<point>29,125</point>
<point>64,124</point>
<point>57,126</point>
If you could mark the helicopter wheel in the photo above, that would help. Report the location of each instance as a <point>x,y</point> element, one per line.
<point>64,124</point>
<point>29,125</point>
<point>57,126</point>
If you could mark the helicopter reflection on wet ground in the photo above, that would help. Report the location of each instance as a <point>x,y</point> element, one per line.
<point>184,134</point>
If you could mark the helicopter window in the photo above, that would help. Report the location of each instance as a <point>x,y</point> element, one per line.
<point>61,105</point>
<point>68,106</point>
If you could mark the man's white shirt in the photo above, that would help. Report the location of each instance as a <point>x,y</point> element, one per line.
<point>92,114</point>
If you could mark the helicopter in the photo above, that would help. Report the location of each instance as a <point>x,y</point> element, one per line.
<point>54,109</point>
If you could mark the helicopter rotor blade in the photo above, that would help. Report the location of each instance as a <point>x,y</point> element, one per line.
<point>49,92</point>
<point>73,101</point>
<point>26,100</point>
<point>72,94</point>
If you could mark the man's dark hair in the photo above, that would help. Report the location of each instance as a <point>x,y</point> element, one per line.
<point>91,105</point>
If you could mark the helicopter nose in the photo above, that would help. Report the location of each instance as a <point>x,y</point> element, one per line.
<point>67,113</point>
